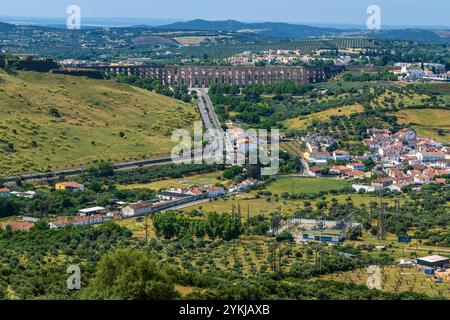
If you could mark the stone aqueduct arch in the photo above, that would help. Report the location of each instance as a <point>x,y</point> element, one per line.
<point>204,76</point>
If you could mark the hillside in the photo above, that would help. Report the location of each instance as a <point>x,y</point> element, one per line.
<point>297,31</point>
<point>433,123</point>
<point>59,122</point>
<point>272,29</point>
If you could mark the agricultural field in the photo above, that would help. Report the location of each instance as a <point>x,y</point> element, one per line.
<point>267,205</point>
<point>210,178</point>
<point>60,122</point>
<point>396,279</point>
<point>137,227</point>
<point>293,184</point>
<point>303,122</point>
<point>427,122</point>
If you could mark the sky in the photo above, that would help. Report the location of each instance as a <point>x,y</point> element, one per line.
<point>393,12</point>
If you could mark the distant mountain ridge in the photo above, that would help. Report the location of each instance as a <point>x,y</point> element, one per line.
<point>296,31</point>
<point>272,29</point>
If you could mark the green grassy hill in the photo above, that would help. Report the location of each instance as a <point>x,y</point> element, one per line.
<point>60,122</point>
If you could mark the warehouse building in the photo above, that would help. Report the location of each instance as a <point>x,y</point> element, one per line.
<point>434,262</point>
<point>325,235</point>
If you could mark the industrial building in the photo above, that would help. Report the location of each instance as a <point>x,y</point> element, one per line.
<point>434,262</point>
<point>325,235</point>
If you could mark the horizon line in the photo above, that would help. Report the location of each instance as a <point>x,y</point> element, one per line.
<point>175,20</point>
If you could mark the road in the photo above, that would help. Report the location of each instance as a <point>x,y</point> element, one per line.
<point>212,114</point>
<point>203,110</point>
<point>306,171</point>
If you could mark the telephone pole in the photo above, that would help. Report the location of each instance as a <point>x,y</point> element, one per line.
<point>146,229</point>
<point>382,219</point>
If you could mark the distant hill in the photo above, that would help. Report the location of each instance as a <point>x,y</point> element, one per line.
<point>433,36</point>
<point>4,27</point>
<point>58,122</point>
<point>272,29</point>
<point>294,31</point>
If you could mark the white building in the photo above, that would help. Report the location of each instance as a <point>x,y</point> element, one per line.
<point>91,211</point>
<point>341,155</point>
<point>137,209</point>
<point>430,156</point>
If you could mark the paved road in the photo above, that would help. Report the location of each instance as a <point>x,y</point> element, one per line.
<point>203,110</point>
<point>212,114</point>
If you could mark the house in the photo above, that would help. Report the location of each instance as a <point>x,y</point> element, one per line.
<point>359,187</point>
<point>434,262</point>
<point>196,191</point>
<point>79,221</point>
<point>5,192</point>
<point>430,156</point>
<point>341,155</point>
<point>443,163</point>
<point>21,225</point>
<point>396,187</point>
<point>356,174</point>
<point>317,155</point>
<point>91,211</point>
<point>340,170</point>
<point>383,182</point>
<point>318,163</point>
<point>316,170</point>
<point>137,209</point>
<point>25,194</point>
<point>215,192</point>
<point>406,134</point>
<point>171,196</point>
<point>422,179</point>
<point>70,186</point>
<point>356,166</point>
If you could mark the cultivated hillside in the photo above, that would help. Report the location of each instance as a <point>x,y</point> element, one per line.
<point>57,122</point>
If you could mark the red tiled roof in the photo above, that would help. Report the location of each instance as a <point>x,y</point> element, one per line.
<point>21,225</point>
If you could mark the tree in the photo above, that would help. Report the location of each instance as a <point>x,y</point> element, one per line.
<point>129,274</point>
<point>285,236</point>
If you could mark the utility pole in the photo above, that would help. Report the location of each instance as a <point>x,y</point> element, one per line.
<point>146,229</point>
<point>382,219</point>
<point>248,214</point>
